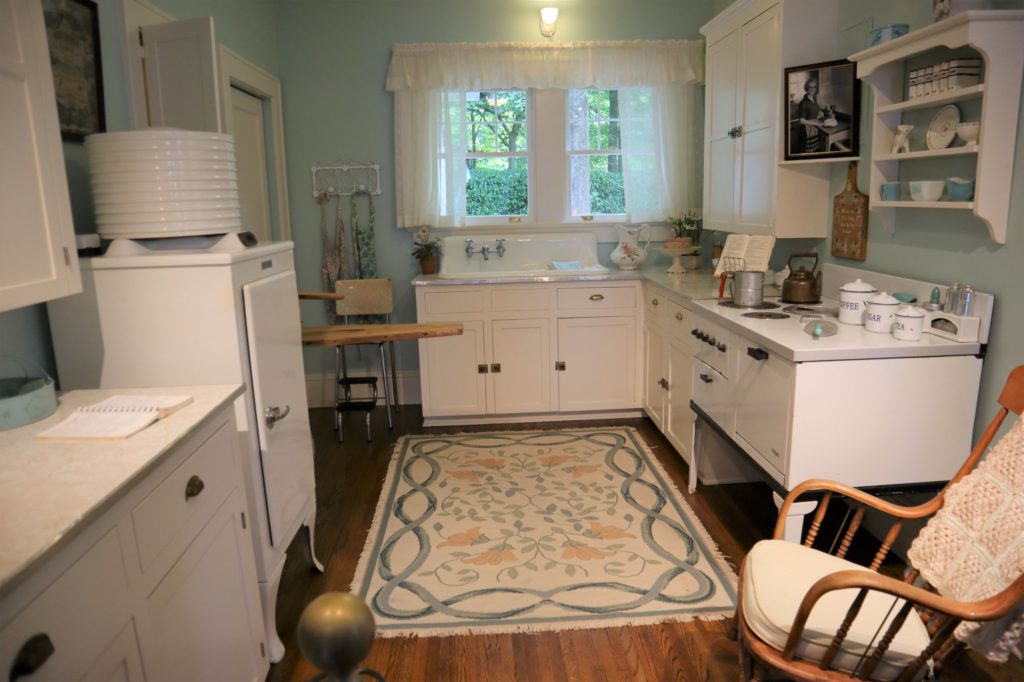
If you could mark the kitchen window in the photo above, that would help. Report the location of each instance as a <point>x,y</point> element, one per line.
<point>535,149</point>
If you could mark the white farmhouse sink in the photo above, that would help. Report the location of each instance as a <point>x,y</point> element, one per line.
<point>526,255</point>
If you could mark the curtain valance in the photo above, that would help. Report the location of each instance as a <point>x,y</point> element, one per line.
<point>604,64</point>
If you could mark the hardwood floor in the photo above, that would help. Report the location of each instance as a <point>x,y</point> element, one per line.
<point>349,478</point>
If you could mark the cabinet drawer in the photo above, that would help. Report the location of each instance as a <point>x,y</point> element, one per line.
<point>681,324</point>
<point>656,306</point>
<point>453,302</point>
<point>520,300</point>
<point>186,499</point>
<point>80,614</point>
<point>596,298</point>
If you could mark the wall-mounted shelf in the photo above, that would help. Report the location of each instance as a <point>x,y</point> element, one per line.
<point>808,162</point>
<point>345,178</point>
<point>930,153</point>
<point>995,36</point>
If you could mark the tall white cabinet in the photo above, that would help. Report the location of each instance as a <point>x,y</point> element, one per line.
<point>38,261</point>
<point>747,185</point>
<point>168,318</point>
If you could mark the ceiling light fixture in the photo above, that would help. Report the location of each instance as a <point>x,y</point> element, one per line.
<point>548,17</point>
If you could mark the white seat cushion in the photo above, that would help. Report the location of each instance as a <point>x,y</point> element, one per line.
<point>777,575</point>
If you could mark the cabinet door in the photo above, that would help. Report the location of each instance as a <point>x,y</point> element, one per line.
<point>120,662</point>
<point>38,261</point>
<point>722,87</point>
<point>182,87</point>
<point>758,144</point>
<point>521,365</point>
<point>453,383</point>
<point>600,363</point>
<point>764,393</point>
<point>279,381</point>
<point>204,617</point>
<point>654,374</point>
<point>679,416</point>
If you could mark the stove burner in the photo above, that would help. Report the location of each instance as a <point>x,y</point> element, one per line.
<point>766,316</point>
<point>767,305</point>
<point>812,309</point>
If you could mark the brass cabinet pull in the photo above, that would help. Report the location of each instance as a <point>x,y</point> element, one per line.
<point>597,297</point>
<point>31,656</point>
<point>654,301</point>
<point>679,316</point>
<point>481,369</point>
<point>194,486</point>
<point>496,368</point>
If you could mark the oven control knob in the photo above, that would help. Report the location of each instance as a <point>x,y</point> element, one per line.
<point>695,332</point>
<point>721,347</point>
<point>711,341</point>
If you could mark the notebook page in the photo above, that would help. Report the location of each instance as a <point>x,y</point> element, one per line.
<point>162,404</point>
<point>85,425</point>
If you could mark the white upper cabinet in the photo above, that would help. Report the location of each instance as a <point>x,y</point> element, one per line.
<point>746,188</point>
<point>38,261</point>
<point>182,77</point>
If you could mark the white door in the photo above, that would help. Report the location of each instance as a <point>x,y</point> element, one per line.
<point>654,374</point>
<point>679,416</point>
<point>247,126</point>
<point>720,118</point>
<point>279,383</point>
<point>456,368</point>
<point>38,261</point>
<point>521,366</point>
<point>182,88</point>
<point>600,363</point>
<point>760,85</point>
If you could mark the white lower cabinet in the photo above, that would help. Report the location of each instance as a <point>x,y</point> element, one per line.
<point>530,349</point>
<point>679,419</point>
<point>160,586</point>
<point>668,359</point>
<point>655,371</point>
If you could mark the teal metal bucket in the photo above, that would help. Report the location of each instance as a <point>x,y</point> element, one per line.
<point>25,399</point>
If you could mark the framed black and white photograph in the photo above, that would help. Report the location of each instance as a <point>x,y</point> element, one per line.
<point>73,32</point>
<point>823,110</point>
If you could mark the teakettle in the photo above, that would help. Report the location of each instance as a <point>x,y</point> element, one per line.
<point>629,255</point>
<point>802,286</point>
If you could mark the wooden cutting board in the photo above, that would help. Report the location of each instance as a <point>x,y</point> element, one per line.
<point>850,220</point>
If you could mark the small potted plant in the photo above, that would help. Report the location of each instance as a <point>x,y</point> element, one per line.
<point>687,229</point>
<point>425,248</point>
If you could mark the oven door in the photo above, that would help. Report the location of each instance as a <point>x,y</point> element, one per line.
<point>711,393</point>
<point>764,385</point>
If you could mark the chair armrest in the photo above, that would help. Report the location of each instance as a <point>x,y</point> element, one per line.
<point>825,485</point>
<point>986,609</point>
<point>321,296</point>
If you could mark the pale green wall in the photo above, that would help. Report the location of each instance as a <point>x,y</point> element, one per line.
<point>334,58</point>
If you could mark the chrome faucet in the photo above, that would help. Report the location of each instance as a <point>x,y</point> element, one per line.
<point>500,241</point>
<point>485,250</point>
<point>469,248</point>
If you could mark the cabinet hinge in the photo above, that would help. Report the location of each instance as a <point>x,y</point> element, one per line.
<point>244,526</point>
<point>481,369</point>
<point>67,257</point>
<point>559,366</point>
<point>263,651</point>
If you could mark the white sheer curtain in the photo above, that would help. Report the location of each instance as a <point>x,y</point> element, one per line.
<point>429,81</point>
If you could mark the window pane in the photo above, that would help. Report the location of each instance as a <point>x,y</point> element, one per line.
<point>496,186</point>
<point>496,120</point>
<point>596,184</point>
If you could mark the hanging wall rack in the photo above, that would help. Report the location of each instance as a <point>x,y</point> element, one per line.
<point>341,179</point>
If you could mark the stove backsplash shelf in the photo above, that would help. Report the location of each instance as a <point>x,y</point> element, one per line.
<point>834,276</point>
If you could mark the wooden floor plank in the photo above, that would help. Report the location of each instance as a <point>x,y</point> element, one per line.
<point>349,478</point>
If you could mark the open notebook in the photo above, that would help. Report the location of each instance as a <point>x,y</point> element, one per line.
<point>119,416</point>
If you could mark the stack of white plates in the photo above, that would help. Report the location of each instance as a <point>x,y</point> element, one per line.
<point>162,182</point>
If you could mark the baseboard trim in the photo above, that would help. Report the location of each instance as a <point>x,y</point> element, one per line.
<point>528,418</point>
<point>320,387</point>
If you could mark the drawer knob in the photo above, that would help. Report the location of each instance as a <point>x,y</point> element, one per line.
<point>194,486</point>
<point>597,297</point>
<point>274,414</point>
<point>654,301</point>
<point>31,656</point>
<point>663,383</point>
<point>705,378</point>
<point>679,316</point>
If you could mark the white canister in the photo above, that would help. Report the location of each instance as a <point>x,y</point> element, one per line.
<point>852,296</point>
<point>908,323</point>
<point>879,312</point>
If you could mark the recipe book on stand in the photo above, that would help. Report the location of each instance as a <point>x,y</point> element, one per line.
<point>117,417</point>
<point>745,252</point>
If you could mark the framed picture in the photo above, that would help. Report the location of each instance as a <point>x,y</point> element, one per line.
<point>822,109</point>
<point>73,31</point>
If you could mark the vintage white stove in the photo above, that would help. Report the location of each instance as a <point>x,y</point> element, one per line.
<point>859,407</point>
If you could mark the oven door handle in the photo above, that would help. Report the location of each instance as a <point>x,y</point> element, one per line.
<point>758,354</point>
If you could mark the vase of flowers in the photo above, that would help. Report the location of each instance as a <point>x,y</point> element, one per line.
<point>426,249</point>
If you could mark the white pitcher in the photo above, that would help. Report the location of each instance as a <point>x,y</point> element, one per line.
<point>629,255</point>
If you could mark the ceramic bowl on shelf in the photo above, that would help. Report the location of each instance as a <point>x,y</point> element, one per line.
<point>926,190</point>
<point>960,189</point>
<point>968,132</point>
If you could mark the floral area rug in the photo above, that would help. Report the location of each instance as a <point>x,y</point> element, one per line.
<point>529,531</point>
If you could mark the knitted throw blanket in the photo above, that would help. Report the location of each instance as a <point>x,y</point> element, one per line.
<point>973,547</point>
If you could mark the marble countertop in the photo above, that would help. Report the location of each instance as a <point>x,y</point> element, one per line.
<point>48,488</point>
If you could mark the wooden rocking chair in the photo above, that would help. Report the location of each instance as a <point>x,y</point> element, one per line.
<point>813,615</point>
